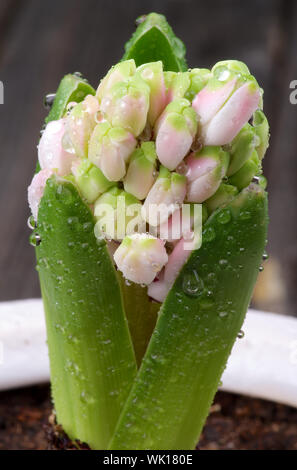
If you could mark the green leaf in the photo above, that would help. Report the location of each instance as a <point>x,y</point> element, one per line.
<point>155,40</point>
<point>71,88</point>
<point>196,329</point>
<point>92,360</point>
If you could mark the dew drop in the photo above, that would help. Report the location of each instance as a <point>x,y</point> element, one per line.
<point>192,284</point>
<point>240,334</point>
<point>140,20</point>
<point>256,180</point>
<point>86,398</point>
<point>48,100</point>
<point>223,263</point>
<point>31,222</point>
<point>224,216</point>
<point>64,194</point>
<point>209,234</point>
<point>35,239</point>
<point>87,226</point>
<point>223,314</point>
<point>244,215</point>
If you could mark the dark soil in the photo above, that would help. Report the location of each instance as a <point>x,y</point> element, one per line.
<point>235,422</point>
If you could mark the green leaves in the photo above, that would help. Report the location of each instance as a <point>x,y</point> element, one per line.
<point>154,40</point>
<point>91,355</point>
<point>71,88</point>
<point>196,329</point>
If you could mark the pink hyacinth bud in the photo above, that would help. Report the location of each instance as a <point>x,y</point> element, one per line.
<point>165,197</point>
<point>205,171</point>
<point>210,100</point>
<point>152,74</point>
<point>183,223</point>
<point>110,148</point>
<point>141,173</point>
<point>227,102</point>
<point>140,257</point>
<point>126,105</point>
<point>175,131</point>
<point>159,289</point>
<point>51,154</point>
<point>79,126</point>
<point>36,189</point>
<point>177,85</point>
<point>226,124</point>
<point>118,73</point>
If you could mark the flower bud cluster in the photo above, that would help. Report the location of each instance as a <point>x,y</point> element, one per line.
<point>148,143</point>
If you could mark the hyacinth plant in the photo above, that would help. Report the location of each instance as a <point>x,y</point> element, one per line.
<point>141,311</point>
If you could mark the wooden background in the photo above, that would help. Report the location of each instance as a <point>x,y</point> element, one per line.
<point>40,41</point>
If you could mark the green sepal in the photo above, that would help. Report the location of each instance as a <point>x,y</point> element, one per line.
<point>241,148</point>
<point>198,80</point>
<point>261,127</point>
<point>245,174</point>
<point>224,194</point>
<point>92,361</point>
<point>90,180</point>
<point>155,40</point>
<point>197,326</point>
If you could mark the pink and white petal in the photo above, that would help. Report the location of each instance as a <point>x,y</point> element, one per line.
<point>209,101</point>
<point>159,289</point>
<point>172,145</point>
<point>202,188</point>
<point>140,257</point>
<point>197,167</point>
<point>176,260</point>
<point>51,154</point>
<point>171,229</point>
<point>36,189</point>
<point>157,103</point>
<point>226,124</point>
<point>111,163</point>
